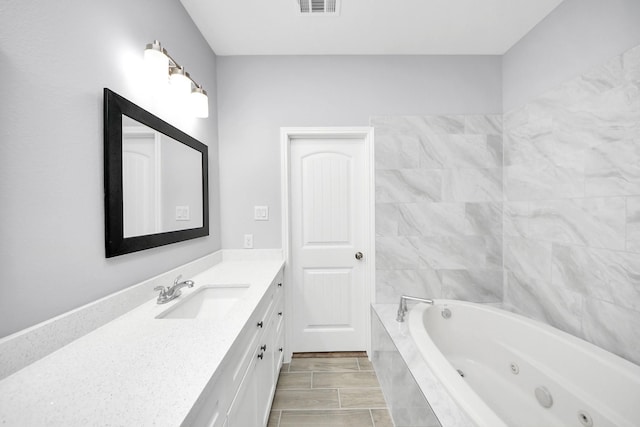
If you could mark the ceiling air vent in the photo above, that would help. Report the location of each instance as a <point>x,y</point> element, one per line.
<point>318,7</point>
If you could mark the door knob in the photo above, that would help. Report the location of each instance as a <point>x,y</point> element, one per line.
<point>359,255</point>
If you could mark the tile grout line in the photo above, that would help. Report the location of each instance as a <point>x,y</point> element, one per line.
<point>338,388</point>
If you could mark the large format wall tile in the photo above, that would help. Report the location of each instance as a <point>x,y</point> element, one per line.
<point>516,218</point>
<point>612,327</point>
<point>490,125</point>
<point>408,185</point>
<point>572,206</point>
<point>542,180</point>
<point>613,168</point>
<point>633,224</point>
<point>391,284</point>
<point>445,252</point>
<point>528,260</point>
<point>538,208</point>
<point>449,219</point>
<point>395,253</point>
<point>594,222</point>
<point>544,302</point>
<point>387,219</point>
<point>607,275</point>
<point>439,206</point>
<point>484,286</point>
<point>472,185</point>
<point>397,151</point>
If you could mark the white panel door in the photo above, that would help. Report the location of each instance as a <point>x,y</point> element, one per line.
<point>141,184</point>
<point>328,188</point>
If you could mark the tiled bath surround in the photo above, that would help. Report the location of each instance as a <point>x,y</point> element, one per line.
<point>414,395</point>
<point>405,400</point>
<point>558,206</point>
<point>439,207</point>
<point>572,207</point>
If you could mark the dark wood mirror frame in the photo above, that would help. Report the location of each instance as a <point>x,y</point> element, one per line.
<point>115,106</point>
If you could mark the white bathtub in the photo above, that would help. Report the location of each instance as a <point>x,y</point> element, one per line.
<point>505,357</point>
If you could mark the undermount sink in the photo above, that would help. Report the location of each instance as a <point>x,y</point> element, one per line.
<point>208,302</point>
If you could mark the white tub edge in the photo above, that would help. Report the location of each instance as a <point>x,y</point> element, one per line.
<point>447,411</point>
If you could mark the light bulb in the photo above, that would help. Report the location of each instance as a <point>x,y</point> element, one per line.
<point>199,102</point>
<point>156,63</point>
<point>180,82</point>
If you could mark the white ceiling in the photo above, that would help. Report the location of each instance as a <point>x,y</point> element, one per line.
<point>375,27</point>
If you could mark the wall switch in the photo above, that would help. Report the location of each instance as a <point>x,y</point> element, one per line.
<point>182,213</point>
<point>261,213</point>
<point>248,241</point>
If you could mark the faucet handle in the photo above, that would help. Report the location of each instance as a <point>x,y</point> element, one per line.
<point>175,282</point>
<point>162,289</point>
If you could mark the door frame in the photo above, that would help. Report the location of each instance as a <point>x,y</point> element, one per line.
<point>367,135</point>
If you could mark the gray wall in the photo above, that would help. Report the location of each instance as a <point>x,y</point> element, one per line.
<point>56,57</point>
<point>576,36</point>
<point>258,95</point>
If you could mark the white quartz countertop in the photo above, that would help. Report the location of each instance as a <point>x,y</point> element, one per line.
<point>136,370</point>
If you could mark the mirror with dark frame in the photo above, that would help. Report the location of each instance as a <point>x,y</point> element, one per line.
<point>156,180</point>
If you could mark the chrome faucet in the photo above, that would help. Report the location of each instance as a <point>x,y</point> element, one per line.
<point>169,293</point>
<point>402,308</point>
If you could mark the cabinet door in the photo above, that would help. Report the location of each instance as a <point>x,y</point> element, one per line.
<point>279,350</point>
<point>243,411</point>
<point>278,338</point>
<point>264,370</point>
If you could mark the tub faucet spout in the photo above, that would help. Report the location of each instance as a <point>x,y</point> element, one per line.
<point>402,307</point>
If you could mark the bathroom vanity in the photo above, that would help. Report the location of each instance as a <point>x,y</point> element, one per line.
<point>240,392</point>
<point>167,364</point>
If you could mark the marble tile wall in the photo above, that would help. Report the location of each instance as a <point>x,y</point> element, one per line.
<point>439,207</point>
<point>572,206</point>
<point>405,400</point>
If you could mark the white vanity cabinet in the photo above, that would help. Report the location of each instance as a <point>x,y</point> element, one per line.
<point>252,403</point>
<point>241,391</point>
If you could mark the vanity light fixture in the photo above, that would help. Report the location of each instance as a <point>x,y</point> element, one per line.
<point>199,102</point>
<point>162,68</point>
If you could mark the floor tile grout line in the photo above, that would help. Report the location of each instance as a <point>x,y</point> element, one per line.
<point>338,390</point>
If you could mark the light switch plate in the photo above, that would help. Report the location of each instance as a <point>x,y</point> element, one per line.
<point>182,213</point>
<point>261,213</point>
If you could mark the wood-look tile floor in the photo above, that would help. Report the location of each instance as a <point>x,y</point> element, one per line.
<point>334,391</point>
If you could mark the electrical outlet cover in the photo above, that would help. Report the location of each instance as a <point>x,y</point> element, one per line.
<point>248,241</point>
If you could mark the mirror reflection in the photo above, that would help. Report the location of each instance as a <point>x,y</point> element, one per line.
<point>162,182</point>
